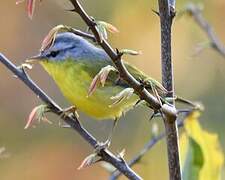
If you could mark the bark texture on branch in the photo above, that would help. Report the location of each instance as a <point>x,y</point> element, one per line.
<point>167,13</point>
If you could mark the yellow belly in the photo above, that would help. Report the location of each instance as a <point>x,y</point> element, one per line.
<point>74,83</point>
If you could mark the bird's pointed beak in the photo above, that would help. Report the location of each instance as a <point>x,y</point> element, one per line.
<point>36,58</point>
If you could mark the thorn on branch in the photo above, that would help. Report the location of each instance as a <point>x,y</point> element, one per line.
<point>155,112</point>
<point>121,155</point>
<point>119,54</point>
<point>71,10</point>
<point>155,12</point>
<point>139,101</point>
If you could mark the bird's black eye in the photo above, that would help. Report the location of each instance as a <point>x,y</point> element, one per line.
<point>53,54</point>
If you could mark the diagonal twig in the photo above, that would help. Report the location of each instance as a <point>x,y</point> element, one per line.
<point>81,33</point>
<point>115,175</point>
<point>105,155</point>
<point>116,58</point>
<point>215,42</point>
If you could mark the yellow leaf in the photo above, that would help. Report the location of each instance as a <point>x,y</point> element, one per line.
<point>183,147</point>
<point>209,146</point>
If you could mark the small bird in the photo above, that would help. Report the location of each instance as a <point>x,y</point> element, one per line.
<point>73,62</point>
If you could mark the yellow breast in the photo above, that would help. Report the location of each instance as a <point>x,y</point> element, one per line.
<point>74,80</point>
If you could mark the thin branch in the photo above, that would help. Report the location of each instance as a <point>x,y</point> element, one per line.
<point>115,175</point>
<point>196,13</point>
<point>106,155</point>
<point>166,19</point>
<point>81,33</point>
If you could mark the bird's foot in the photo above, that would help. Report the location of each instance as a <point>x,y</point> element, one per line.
<point>69,110</point>
<point>102,146</point>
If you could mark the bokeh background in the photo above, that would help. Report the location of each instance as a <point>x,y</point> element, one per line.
<point>50,152</point>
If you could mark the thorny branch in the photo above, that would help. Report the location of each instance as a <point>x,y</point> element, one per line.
<point>117,59</point>
<point>71,120</point>
<point>196,13</point>
<point>167,13</point>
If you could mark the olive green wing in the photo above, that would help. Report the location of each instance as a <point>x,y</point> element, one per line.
<point>140,76</point>
<point>113,78</point>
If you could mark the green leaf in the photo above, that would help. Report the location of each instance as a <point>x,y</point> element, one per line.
<point>89,160</point>
<point>122,96</point>
<point>108,27</point>
<point>194,161</point>
<point>130,52</point>
<point>201,154</point>
<point>103,27</point>
<point>38,113</point>
<point>102,31</point>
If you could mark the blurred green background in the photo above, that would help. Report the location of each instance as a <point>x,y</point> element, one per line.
<point>49,152</point>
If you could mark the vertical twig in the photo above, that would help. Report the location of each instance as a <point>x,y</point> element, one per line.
<point>167,13</point>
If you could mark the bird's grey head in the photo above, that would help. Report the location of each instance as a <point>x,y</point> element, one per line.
<point>68,45</point>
